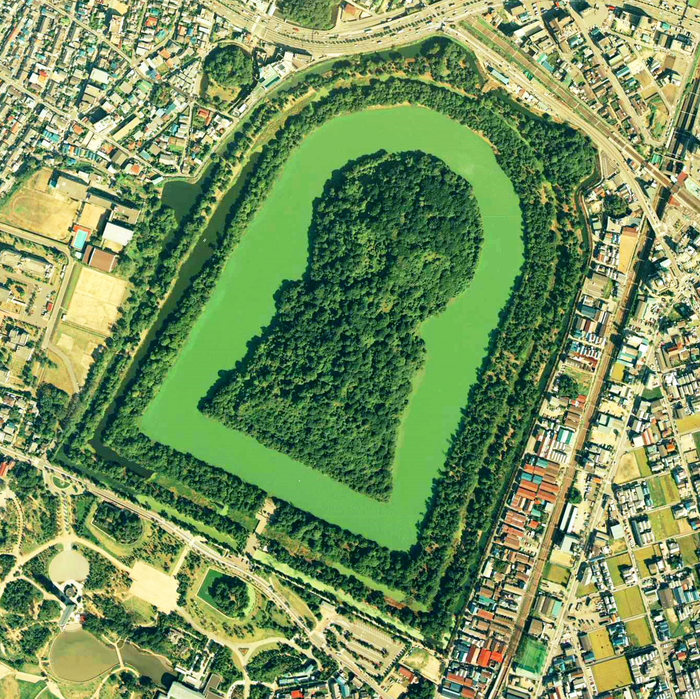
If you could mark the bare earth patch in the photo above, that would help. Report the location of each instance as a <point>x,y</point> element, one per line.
<point>37,208</point>
<point>96,300</point>
<point>154,586</point>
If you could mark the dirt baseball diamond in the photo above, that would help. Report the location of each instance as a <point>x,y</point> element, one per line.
<point>96,300</point>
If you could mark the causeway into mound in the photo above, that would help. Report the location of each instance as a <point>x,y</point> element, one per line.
<point>275,248</point>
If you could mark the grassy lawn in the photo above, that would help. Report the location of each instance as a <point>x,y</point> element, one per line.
<point>644,555</point>
<point>612,674</point>
<point>27,690</point>
<point>663,525</point>
<point>557,574</point>
<point>600,642</point>
<point>639,632</point>
<point>689,424</point>
<point>144,612</point>
<point>584,590</point>
<point>689,545</point>
<point>615,563</point>
<point>663,490</point>
<point>651,393</point>
<point>629,602</point>
<point>642,462</point>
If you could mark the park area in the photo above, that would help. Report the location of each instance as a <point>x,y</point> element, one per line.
<point>69,565</point>
<point>612,674</point>
<point>36,208</point>
<point>204,594</point>
<point>95,300</point>
<point>154,586</point>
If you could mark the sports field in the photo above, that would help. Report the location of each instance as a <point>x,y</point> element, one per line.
<point>35,207</point>
<point>600,642</point>
<point>612,674</point>
<point>629,602</point>
<point>95,301</point>
<point>531,655</point>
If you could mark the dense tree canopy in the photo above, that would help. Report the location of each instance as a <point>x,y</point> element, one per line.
<point>268,665</point>
<point>52,403</point>
<point>393,238</point>
<point>615,206</point>
<point>568,387</point>
<point>422,689</point>
<point>315,14</point>
<point>230,595</point>
<point>20,597</point>
<point>545,162</point>
<point>230,66</point>
<point>123,526</point>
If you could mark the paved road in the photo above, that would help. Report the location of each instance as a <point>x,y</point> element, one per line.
<point>360,36</point>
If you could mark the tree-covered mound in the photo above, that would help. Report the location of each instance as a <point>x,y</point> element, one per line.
<point>230,595</point>
<point>393,238</point>
<point>315,14</point>
<point>230,66</point>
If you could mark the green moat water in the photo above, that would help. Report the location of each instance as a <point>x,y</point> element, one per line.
<point>275,248</point>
